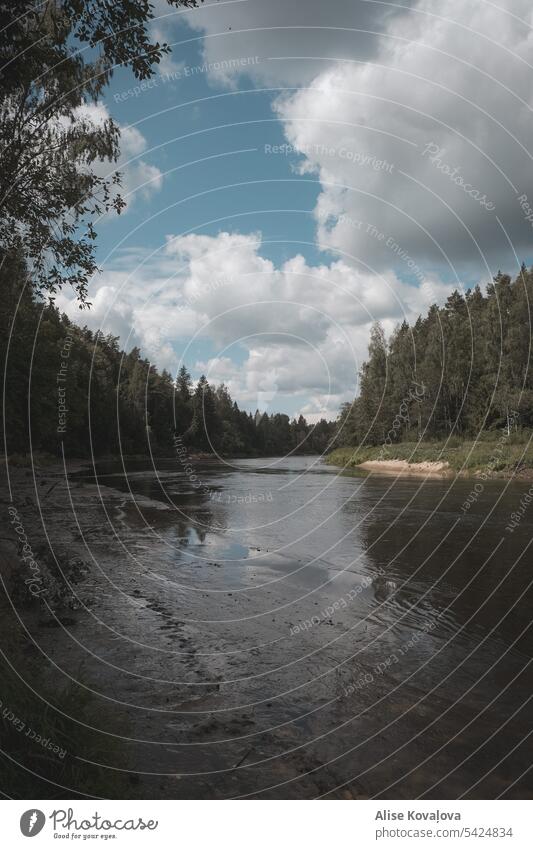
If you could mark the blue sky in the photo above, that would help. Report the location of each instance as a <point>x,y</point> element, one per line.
<point>287,185</point>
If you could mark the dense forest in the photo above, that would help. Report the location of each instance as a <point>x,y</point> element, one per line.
<point>67,386</point>
<point>462,369</point>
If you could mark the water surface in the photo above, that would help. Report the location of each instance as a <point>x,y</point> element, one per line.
<point>277,628</point>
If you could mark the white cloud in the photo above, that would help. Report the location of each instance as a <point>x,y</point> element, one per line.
<point>139,178</point>
<point>419,135</point>
<point>108,313</point>
<point>302,330</point>
<point>292,42</point>
<point>447,98</point>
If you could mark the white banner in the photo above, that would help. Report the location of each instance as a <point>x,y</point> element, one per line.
<point>267,824</point>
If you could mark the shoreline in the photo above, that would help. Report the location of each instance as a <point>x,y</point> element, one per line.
<point>482,459</point>
<point>99,581</point>
<point>428,462</point>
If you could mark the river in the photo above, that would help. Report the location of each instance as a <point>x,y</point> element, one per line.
<point>277,629</point>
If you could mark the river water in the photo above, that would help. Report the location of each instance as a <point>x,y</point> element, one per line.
<point>275,628</point>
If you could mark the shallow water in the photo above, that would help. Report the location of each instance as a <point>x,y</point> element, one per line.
<point>283,629</point>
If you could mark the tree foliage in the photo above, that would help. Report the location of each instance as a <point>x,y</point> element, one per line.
<point>70,388</point>
<point>462,369</point>
<point>57,57</point>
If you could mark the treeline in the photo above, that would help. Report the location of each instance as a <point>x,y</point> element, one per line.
<point>461,370</point>
<point>68,386</point>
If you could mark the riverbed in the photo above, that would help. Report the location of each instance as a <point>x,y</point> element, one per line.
<point>274,628</point>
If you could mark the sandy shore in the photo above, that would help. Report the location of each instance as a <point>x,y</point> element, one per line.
<point>403,467</point>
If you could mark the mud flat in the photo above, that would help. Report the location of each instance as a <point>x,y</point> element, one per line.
<point>235,640</point>
<point>159,625</point>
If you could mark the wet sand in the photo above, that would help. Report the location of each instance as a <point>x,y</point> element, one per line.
<point>236,670</point>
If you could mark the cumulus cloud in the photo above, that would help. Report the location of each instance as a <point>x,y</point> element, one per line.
<point>291,40</point>
<point>428,142</point>
<point>416,123</point>
<point>280,332</point>
<point>139,177</point>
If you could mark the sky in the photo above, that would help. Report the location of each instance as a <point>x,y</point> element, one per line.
<point>294,172</point>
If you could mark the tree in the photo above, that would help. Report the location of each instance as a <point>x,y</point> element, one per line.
<point>298,433</point>
<point>321,437</point>
<point>50,139</point>
<point>204,430</point>
<point>468,361</point>
<point>373,381</point>
<point>184,385</point>
<point>116,401</point>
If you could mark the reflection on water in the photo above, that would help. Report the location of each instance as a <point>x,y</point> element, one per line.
<point>197,543</point>
<point>382,630</point>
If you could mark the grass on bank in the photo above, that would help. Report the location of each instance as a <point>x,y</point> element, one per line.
<point>502,454</point>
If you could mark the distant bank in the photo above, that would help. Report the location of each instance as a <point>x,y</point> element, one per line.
<point>502,457</point>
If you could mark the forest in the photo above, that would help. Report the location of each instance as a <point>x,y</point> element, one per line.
<point>460,371</point>
<point>67,387</point>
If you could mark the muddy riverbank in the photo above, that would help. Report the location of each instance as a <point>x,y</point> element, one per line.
<point>282,631</point>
